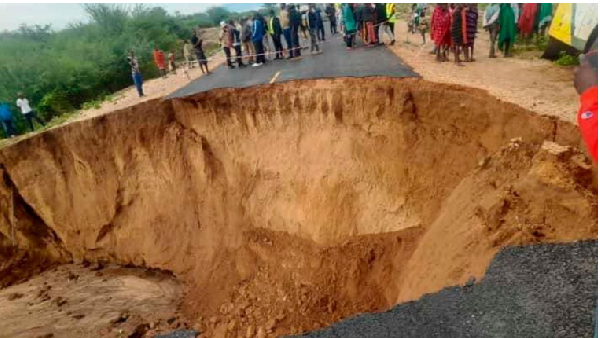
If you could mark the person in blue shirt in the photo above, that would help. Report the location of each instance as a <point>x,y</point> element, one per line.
<point>258,32</point>
<point>6,119</point>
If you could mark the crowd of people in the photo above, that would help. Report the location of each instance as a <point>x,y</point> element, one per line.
<point>257,39</point>
<point>454,27</point>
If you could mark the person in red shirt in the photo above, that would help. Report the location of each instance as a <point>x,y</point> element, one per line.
<point>159,60</point>
<point>586,84</point>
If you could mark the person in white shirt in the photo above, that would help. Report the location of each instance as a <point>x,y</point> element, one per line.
<point>28,113</point>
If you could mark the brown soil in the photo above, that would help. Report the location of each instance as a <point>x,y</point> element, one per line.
<point>77,301</point>
<point>287,207</point>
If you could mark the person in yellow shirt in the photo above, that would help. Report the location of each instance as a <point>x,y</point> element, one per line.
<point>390,13</point>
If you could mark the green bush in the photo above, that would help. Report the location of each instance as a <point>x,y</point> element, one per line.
<point>61,71</point>
<point>566,60</point>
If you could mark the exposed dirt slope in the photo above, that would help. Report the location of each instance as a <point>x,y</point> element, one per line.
<point>290,206</point>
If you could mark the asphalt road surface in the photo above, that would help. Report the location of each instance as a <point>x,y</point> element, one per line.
<point>539,291</point>
<point>335,61</point>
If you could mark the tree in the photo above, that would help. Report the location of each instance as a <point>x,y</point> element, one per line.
<point>218,14</point>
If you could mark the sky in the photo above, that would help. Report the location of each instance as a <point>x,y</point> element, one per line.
<point>60,15</point>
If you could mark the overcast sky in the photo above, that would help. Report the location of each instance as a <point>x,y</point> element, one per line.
<point>60,15</point>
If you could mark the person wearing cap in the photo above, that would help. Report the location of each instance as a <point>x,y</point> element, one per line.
<point>586,84</point>
<point>28,113</point>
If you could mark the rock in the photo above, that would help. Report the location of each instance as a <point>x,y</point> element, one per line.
<point>59,301</point>
<point>261,333</point>
<point>72,277</point>
<point>271,323</point>
<point>171,320</point>
<point>97,267</point>
<point>47,335</point>
<point>483,162</point>
<point>231,325</point>
<point>14,295</point>
<point>213,320</point>
<point>250,330</point>
<point>78,316</point>
<point>121,318</point>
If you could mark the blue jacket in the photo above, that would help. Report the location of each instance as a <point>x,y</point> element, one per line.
<point>5,114</point>
<point>258,30</point>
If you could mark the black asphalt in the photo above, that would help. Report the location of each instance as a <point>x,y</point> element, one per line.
<point>535,291</point>
<point>334,62</point>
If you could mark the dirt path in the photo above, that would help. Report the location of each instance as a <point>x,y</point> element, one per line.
<point>526,80</point>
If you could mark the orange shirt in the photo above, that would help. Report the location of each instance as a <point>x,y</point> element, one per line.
<point>159,59</point>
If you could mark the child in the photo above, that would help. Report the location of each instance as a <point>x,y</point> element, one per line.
<point>423,26</point>
<point>159,60</point>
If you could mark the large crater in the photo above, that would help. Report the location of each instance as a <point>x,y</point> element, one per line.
<point>291,206</point>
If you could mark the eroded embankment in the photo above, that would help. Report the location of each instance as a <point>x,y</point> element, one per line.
<point>290,206</point>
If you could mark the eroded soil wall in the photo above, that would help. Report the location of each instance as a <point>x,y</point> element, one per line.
<point>300,203</point>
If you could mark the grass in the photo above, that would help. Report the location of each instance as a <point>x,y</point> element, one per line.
<point>566,60</point>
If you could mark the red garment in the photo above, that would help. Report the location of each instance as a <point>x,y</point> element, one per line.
<point>527,19</point>
<point>159,59</point>
<point>440,26</point>
<point>587,118</point>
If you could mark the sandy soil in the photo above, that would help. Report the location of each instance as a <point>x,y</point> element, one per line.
<point>89,301</point>
<point>286,207</point>
<point>532,83</point>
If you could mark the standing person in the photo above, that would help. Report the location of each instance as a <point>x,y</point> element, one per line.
<point>330,12</point>
<point>236,43</point>
<point>247,39</point>
<point>508,29</point>
<point>471,16</point>
<point>266,44</point>
<point>258,32</point>
<point>544,18</point>
<point>304,24</point>
<point>381,20</point>
<point>6,119</point>
<point>358,17</point>
<point>390,14</point>
<point>226,43</point>
<point>491,24</point>
<point>188,57</point>
<point>440,30</point>
<point>284,20</point>
<point>527,21</point>
<point>457,33</point>
<point>28,113</point>
<point>135,73</point>
<point>172,62</point>
<point>370,19</point>
<point>349,25</point>
<point>320,24</point>
<point>313,27</point>
<point>586,84</point>
<point>159,60</point>
<point>275,31</point>
<point>423,26</point>
<point>295,23</point>
<point>197,45</point>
